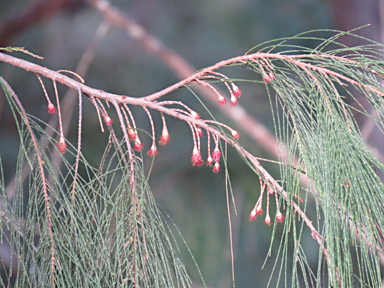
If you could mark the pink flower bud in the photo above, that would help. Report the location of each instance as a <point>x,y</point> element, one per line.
<point>51,109</point>
<point>164,138</point>
<point>271,75</point>
<point>253,215</point>
<point>235,134</point>
<point>216,154</point>
<point>195,115</point>
<point>209,161</point>
<point>131,134</point>
<point>153,151</point>
<point>279,217</point>
<point>266,78</point>
<point>234,100</point>
<point>267,220</point>
<point>196,158</point>
<point>259,209</point>
<point>138,146</point>
<point>236,91</point>
<point>216,168</point>
<point>62,145</point>
<point>108,120</point>
<point>222,100</point>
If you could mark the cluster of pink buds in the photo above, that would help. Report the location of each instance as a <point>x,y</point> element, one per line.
<point>234,91</point>
<point>258,210</point>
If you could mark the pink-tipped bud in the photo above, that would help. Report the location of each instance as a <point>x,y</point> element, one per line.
<point>138,146</point>
<point>279,217</point>
<point>222,100</point>
<point>266,78</point>
<point>196,158</point>
<point>234,100</point>
<point>131,134</point>
<point>164,138</point>
<point>270,190</point>
<point>209,161</point>
<point>271,76</point>
<point>253,215</point>
<point>195,115</point>
<point>153,151</point>
<point>62,145</point>
<point>236,91</point>
<point>216,154</point>
<point>216,168</point>
<point>51,109</point>
<point>108,120</point>
<point>267,220</point>
<point>235,134</point>
<point>259,209</point>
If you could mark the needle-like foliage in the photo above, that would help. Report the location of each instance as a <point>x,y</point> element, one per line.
<point>107,236</point>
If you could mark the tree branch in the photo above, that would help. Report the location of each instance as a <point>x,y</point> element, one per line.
<point>146,102</point>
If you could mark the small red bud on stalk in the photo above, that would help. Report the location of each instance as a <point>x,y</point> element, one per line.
<point>51,108</point>
<point>216,168</point>
<point>62,145</point>
<point>108,120</point>
<point>153,151</point>
<point>138,146</point>
<point>209,161</point>
<point>235,134</point>
<point>234,100</point>
<point>267,220</point>
<point>164,138</point>
<point>279,216</point>
<point>271,76</point>
<point>216,154</point>
<point>196,158</point>
<point>253,215</point>
<point>236,91</point>
<point>222,100</point>
<point>195,115</point>
<point>131,134</point>
<point>259,209</point>
<point>266,78</point>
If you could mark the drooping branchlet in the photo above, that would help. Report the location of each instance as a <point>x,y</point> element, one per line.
<point>51,108</point>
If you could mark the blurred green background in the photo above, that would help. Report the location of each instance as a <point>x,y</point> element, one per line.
<point>203,33</point>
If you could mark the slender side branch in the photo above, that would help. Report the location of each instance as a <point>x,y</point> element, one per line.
<point>43,179</point>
